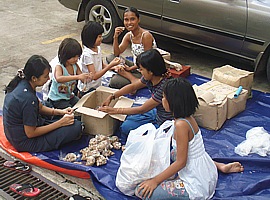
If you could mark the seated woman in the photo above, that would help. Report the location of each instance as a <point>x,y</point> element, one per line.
<point>140,40</point>
<point>24,126</point>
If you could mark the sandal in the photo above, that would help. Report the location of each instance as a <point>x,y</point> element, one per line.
<point>18,166</point>
<point>26,190</point>
<point>79,197</point>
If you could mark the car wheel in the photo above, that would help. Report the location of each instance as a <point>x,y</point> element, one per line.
<point>268,69</point>
<point>104,13</point>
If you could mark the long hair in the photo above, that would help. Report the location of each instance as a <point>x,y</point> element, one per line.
<point>69,48</point>
<point>90,32</point>
<point>35,66</point>
<point>152,61</point>
<point>181,97</point>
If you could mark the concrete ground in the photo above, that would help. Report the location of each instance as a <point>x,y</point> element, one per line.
<point>38,26</point>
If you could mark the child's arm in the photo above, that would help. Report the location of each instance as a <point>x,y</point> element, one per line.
<point>127,68</point>
<point>105,68</point>
<point>60,78</point>
<point>181,136</point>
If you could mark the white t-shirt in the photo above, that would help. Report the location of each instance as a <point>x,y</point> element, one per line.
<point>90,57</point>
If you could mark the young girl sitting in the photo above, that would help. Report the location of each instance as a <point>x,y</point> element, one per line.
<point>91,59</point>
<point>197,172</point>
<point>66,74</point>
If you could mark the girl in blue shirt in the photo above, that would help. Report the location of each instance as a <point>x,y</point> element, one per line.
<point>66,75</point>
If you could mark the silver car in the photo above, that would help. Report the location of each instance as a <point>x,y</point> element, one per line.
<point>240,28</point>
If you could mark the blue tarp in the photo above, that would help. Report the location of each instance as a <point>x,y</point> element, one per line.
<point>253,183</point>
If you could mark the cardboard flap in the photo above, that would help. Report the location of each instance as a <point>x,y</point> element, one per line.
<point>106,89</point>
<point>123,102</point>
<point>207,97</point>
<point>93,112</point>
<point>82,100</point>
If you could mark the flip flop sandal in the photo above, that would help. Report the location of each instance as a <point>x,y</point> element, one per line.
<point>26,190</point>
<point>18,166</point>
<point>79,197</point>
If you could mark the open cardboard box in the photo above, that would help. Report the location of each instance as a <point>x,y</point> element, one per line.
<point>235,105</point>
<point>212,111</point>
<point>98,122</point>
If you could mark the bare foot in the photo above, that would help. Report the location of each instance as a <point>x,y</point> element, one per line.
<point>230,167</point>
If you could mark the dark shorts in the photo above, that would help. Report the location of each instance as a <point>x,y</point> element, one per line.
<point>118,81</point>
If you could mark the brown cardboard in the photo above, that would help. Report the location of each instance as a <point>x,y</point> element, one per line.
<point>234,77</point>
<point>98,122</point>
<point>212,110</point>
<point>235,105</point>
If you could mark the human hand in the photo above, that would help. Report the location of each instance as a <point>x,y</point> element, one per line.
<point>128,69</point>
<point>107,101</point>
<point>67,119</point>
<point>108,109</point>
<point>68,111</point>
<point>118,31</point>
<point>115,61</point>
<point>119,68</point>
<point>90,77</point>
<point>85,76</point>
<point>147,188</point>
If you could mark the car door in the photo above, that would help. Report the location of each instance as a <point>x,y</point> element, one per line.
<point>218,24</point>
<point>150,12</point>
<point>258,28</point>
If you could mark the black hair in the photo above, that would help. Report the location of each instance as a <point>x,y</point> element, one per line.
<point>90,32</point>
<point>69,48</point>
<point>35,66</point>
<point>134,10</point>
<point>153,61</point>
<point>181,97</point>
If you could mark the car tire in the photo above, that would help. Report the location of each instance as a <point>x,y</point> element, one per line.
<point>104,13</point>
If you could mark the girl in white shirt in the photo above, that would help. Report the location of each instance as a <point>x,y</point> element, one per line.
<point>91,58</point>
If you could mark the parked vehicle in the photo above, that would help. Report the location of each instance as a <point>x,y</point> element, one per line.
<point>240,28</point>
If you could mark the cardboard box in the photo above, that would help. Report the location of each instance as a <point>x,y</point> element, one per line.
<point>235,105</point>
<point>212,110</point>
<point>98,122</point>
<point>184,72</point>
<point>234,77</point>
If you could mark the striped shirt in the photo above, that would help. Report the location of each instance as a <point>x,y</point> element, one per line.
<point>157,94</point>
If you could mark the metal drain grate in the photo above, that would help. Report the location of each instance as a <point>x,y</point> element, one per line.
<point>48,192</point>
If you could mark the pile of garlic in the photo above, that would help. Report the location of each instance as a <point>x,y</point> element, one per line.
<point>97,152</point>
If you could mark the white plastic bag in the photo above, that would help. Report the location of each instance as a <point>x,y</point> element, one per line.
<point>147,154</point>
<point>257,141</point>
<point>46,87</point>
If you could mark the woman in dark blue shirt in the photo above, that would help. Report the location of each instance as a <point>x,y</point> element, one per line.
<point>24,127</point>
